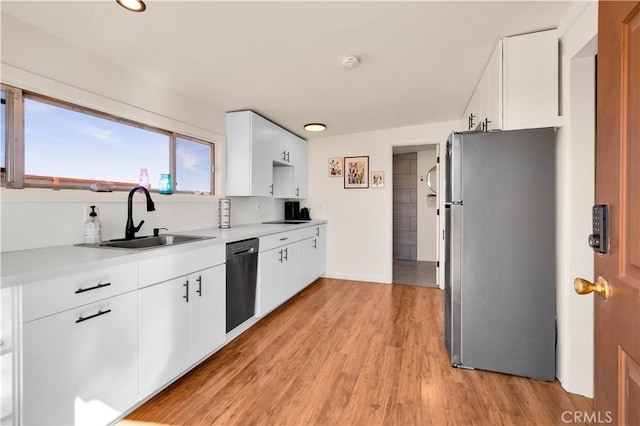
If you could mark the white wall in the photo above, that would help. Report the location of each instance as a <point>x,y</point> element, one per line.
<point>575,192</point>
<point>32,218</point>
<point>427,219</point>
<point>360,233</point>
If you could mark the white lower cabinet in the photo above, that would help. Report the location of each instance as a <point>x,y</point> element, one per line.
<point>7,357</point>
<point>208,311</point>
<point>80,366</point>
<point>313,256</point>
<point>278,277</point>
<point>297,260</point>
<point>269,285</point>
<point>181,321</point>
<point>290,275</point>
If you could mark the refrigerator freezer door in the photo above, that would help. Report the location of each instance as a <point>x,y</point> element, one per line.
<point>508,253</point>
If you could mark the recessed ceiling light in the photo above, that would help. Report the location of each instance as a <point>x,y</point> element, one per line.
<point>133,5</point>
<point>315,127</point>
<point>351,62</point>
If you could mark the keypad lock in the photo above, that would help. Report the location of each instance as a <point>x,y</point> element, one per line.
<point>599,239</point>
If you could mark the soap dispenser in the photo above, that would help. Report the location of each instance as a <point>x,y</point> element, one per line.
<point>92,228</point>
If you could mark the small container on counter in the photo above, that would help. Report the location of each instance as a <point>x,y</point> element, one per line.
<point>224,213</point>
<point>92,228</point>
<point>165,186</point>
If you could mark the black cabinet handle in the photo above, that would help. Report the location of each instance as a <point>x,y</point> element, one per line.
<point>82,290</point>
<point>317,231</point>
<point>280,256</point>
<point>186,292</point>
<point>271,190</point>
<point>297,192</point>
<point>288,161</point>
<point>100,313</point>
<point>315,243</point>
<point>284,239</point>
<point>471,123</point>
<point>286,254</point>
<point>199,290</point>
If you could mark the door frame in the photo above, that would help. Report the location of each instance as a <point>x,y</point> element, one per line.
<point>441,144</point>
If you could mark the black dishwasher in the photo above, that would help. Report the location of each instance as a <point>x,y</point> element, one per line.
<point>242,271</point>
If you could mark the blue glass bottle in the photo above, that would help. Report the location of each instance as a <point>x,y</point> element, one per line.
<point>165,186</point>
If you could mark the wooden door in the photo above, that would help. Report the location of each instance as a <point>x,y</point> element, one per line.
<point>617,328</point>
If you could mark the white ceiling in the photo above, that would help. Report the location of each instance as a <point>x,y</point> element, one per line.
<point>420,60</point>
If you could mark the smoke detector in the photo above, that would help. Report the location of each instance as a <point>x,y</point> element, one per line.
<point>350,62</point>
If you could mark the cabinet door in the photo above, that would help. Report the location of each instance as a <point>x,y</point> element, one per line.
<point>307,261</point>
<point>494,85</point>
<point>269,289</point>
<point>470,118</point>
<point>7,353</point>
<point>530,80</point>
<point>290,270</point>
<point>165,338</point>
<point>320,246</point>
<point>207,311</point>
<point>301,169</point>
<point>80,367</point>
<point>283,150</point>
<point>261,157</point>
<point>313,256</point>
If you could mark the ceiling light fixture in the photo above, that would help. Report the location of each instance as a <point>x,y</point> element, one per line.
<point>350,62</point>
<point>315,127</point>
<point>133,5</point>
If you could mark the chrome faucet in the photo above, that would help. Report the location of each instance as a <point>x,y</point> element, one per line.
<point>130,230</point>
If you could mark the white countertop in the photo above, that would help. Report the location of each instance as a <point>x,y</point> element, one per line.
<point>24,266</point>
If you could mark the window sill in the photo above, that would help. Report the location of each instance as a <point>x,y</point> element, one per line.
<point>46,195</point>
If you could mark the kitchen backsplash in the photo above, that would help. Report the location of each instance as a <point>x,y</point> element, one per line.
<point>32,224</point>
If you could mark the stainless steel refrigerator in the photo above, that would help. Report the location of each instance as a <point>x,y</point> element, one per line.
<point>500,292</point>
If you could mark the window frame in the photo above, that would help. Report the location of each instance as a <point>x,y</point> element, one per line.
<point>14,175</point>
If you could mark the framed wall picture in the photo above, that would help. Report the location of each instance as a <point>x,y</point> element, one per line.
<point>377,179</point>
<point>335,167</point>
<point>356,172</point>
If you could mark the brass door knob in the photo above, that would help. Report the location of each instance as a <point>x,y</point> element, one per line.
<point>601,286</point>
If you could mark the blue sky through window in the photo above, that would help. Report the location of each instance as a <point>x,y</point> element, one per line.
<point>60,142</point>
<point>193,166</point>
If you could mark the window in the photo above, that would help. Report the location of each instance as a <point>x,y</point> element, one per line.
<point>63,145</point>
<point>193,165</point>
<point>66,146</point>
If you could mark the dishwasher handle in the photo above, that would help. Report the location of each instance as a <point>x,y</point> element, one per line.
<point>244,250</point>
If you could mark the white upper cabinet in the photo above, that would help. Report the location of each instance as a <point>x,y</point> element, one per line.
<point>263,159</point>
<point>249,170</point>
<point>519,86</point>
<point>301,169</point>
<point>531,80</point>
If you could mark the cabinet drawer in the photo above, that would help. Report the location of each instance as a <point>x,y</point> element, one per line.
<point>269,242</point>
<point>309,232</point>
<point>80,367</point>
<point>163,268</point>
<point>48,297</point>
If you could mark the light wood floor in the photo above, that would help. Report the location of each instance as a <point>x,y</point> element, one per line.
<point>352,353</point>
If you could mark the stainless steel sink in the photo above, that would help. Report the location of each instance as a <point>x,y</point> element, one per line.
<point>149,242</point>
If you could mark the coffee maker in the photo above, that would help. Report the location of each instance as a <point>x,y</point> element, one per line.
<point>291,210</point>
